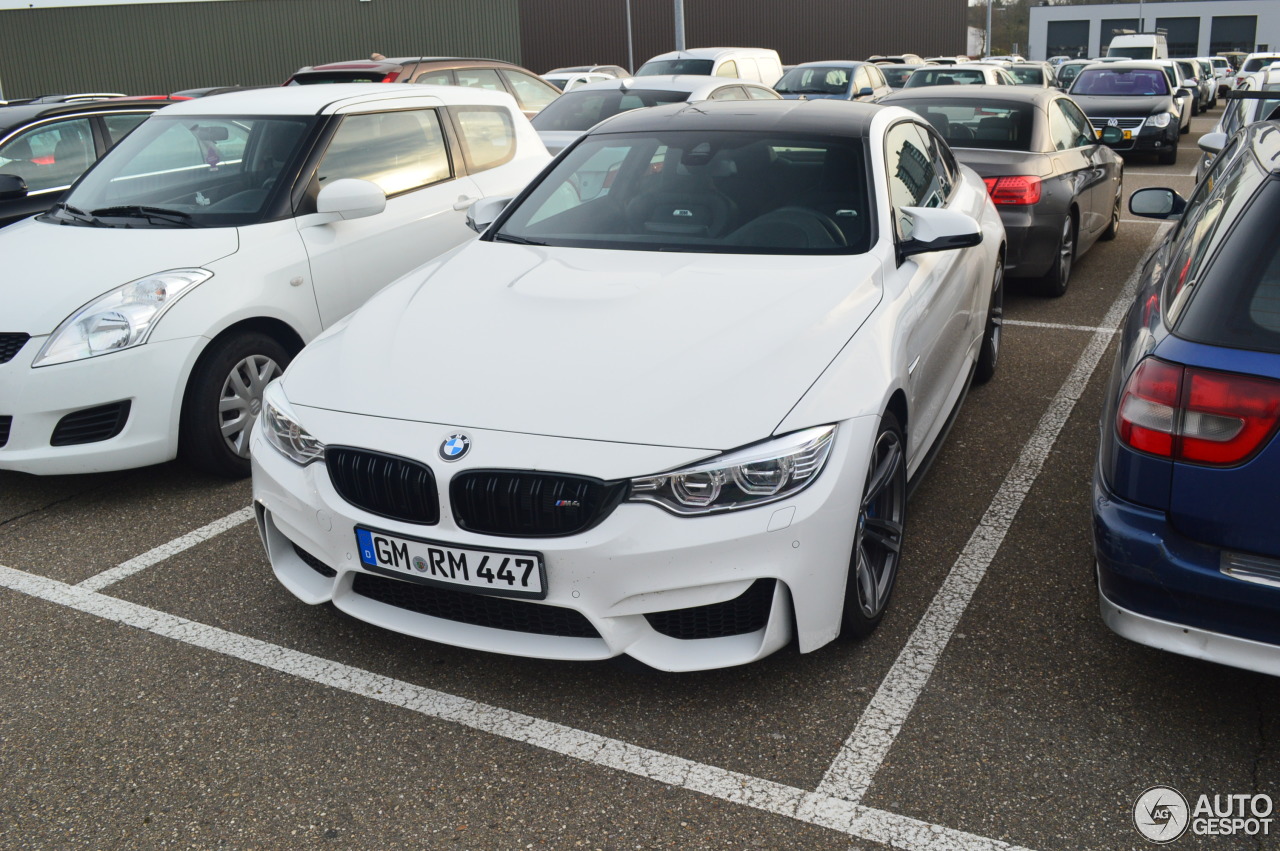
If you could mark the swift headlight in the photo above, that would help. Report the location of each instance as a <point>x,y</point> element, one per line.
<point>759,474</point>
<point>1160,119</point>
<point>121,319</point>
<point>279,425</point>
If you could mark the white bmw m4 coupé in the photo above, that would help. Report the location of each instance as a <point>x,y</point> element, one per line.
<point>667,405</point>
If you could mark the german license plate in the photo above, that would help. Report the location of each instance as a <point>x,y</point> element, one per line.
<point>504,572</point>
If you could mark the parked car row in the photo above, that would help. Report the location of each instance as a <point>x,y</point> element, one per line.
<point>293,267</point>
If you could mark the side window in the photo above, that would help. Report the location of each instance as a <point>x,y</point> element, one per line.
<point>760,94</point>
<point>435,78</point>
<point>860,81</point>
<point>728,69</point>
<point>728,93</point>
<point>913,182</point>
<point>480,78</point>
<point>399,151</point>
<point>488,135</point>
<point>1085,134</point>
<point>1062,131</point>
<point>532,94</point>
<point>1218,201</point>
<point>118,126</point>
<point>50,156</point>
<point>944,164</point>
<point>877,77</point>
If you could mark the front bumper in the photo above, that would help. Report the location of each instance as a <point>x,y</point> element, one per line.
<point>151,377</point>
<point>1151,139</point>
<point>641,560</point>
<point>1160,588</point>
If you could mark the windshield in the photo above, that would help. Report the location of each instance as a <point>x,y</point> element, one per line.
<point>966,124</point>
<point>582,110</point>
<point>190,171</point>
<point>707,191</point>
<point>1258,63</point>
<point>1028,75</point>
<point>896,75</point>
<point>1131,82</point>
<point>1133,52</point>
<point>814,81</point>
<point>315,78</point>
<point>701,67</point>
<point>945,76</point>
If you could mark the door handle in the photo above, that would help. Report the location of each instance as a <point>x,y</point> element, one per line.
<point>464,202</point>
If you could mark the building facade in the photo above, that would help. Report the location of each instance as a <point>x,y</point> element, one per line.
<point>1203,28</point>
<point>60,46</point>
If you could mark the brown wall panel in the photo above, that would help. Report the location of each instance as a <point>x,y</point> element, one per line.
<point>162,47</point>
<point>575,32</point>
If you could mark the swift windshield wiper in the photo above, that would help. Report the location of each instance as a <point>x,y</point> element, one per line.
<point>518,240</point>
<point>75,214</point>
<point>152,214</point>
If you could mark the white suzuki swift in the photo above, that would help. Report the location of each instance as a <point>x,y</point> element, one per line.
<point>144,313</point>
<point>667,406</point>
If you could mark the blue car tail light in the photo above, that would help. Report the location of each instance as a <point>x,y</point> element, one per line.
<point>1197,416</point>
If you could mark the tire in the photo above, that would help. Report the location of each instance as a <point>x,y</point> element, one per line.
<point>1054,282</point>
<point>1169,156</point>
<point>989,351</point>
<point>223,399</point>
<point>877,541</point>
<point>1113,229</point>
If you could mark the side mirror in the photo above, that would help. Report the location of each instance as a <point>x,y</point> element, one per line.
<point>1190,84</point>
<point>1213,143</point>
<point>12,187</point>
<point>929,229</point>
<point>1111,135</point>
<point>1157,203</point>
<point>351,198</point>
<point>485,212</point>
<point>866,92</point>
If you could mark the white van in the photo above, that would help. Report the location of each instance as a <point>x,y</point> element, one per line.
<point>749,63</point>
<point>1139,46</point>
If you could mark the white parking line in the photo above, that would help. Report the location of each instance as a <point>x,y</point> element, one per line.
<point>154,556</point>
<point>818,809</point>
<point>863,753</point>
<point>1057,326</point>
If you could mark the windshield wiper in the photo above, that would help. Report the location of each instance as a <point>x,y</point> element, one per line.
<point>518,240</point>
<point>75,214</point>
<point>153,214</point>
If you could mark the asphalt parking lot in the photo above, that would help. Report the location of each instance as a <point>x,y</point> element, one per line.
<point>161,689</point>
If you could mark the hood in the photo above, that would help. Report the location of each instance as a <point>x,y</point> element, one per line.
<point>51,270</point>
<point>660,348</point>
<point>993,163</point>
<point>557,140</point>
<point>1106,106</point>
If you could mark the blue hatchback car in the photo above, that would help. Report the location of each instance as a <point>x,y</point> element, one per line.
<point>1186,503</point>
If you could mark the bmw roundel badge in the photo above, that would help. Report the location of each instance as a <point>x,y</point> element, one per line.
<point>454,447</point>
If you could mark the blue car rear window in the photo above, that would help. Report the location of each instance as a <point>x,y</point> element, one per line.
<point>1238,303</point>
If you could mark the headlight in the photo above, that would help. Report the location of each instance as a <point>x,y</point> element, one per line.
<point>1160,119</point>
<point>759,474</point>
<point>280,427</point>
<point>121,319</point>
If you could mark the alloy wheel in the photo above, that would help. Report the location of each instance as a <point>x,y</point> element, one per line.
<point>880,525</point>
